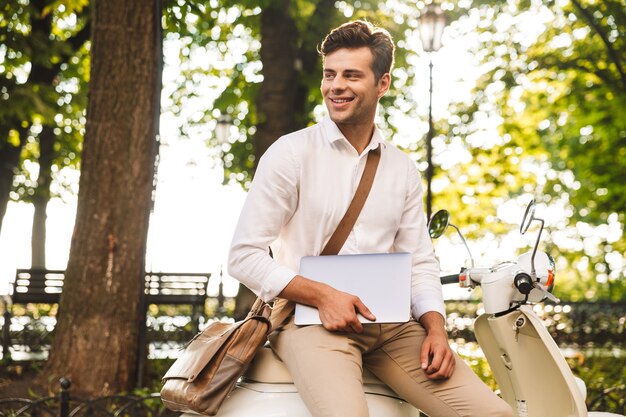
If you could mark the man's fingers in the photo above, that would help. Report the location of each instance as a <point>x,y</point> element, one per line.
<point>363,310</point>
<point>356,326</point>
<point>451,365</point>
<point>436,361</point>
<point>425,355</point>
<point>445,368</point>
<point>451,368</point>
<point>342,315</point>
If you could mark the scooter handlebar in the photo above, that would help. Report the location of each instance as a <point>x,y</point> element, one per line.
<point>450,279</point>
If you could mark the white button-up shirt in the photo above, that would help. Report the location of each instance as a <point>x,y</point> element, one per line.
<point>303,186</point>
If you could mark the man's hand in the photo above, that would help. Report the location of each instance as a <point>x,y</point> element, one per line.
<point>436,356</point>
<point>338,310</point>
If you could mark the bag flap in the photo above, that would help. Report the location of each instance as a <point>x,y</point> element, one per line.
<point>200,351</point>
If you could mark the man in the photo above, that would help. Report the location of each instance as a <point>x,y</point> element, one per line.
<point>302,188</point>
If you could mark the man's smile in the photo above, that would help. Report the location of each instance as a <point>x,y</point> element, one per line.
<point>341,100</point>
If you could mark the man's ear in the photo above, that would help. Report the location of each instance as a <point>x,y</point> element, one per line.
<point>383,84</point>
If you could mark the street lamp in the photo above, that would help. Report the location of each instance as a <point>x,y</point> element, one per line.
<point>431,24</point>
<point>222,129</point>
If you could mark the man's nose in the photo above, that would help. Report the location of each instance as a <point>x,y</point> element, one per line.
<point>338,83</point>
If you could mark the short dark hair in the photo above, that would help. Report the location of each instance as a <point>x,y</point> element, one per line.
<point>359,33</point>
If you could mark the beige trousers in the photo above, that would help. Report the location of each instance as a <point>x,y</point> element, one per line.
<point>327,370</point>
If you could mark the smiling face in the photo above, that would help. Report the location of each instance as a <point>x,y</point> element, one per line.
<point>350,89</point>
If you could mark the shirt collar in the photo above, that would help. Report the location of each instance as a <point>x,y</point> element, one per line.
<point>333,134</point>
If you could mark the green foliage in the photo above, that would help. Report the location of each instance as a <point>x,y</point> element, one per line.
<point>572,100</point>
<point>44,70</point>
<point>561,95</point>
<point>229,35</point>
<point>604,377</point>
<point>544,120</point>
<point>478,363</point>
<point>554,84</point>
<point>155,370</point>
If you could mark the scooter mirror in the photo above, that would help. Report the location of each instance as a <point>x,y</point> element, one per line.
<point>529,216</point>
<point>438,223</point>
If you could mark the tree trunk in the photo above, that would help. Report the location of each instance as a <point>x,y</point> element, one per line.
<point>42,197</point>
<point>96,340</point>
<point>275,101</point>
<point>319,24</point>
<point>41,73</point>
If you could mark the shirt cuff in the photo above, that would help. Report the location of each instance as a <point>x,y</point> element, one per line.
<point>276,281</point>
<point>423,307</point>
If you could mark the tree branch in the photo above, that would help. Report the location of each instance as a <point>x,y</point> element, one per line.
<point>611,52</point>
<point>317,27</point>
<point>82,36</point>
<point>76,42</point>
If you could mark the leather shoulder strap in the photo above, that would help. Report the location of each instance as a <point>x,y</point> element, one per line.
<point>283,308</point>
<point>336,241</point>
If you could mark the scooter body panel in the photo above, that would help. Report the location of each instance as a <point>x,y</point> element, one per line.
<point>254,399</point>
<point>267,390</point>
<point>533,376</point>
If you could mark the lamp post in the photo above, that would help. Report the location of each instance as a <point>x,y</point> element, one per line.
<point>431,24</point>
<point>222,129</point>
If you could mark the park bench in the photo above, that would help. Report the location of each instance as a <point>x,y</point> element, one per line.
<point>162,288</point>
<point>41,286</point>
<point>44,286</point>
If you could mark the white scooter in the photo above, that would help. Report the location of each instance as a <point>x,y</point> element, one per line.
<point>528,366</point>
<point>533,375</point>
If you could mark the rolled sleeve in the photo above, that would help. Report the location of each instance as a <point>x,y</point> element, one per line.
<point>423,306</point>
<point>276,281</point>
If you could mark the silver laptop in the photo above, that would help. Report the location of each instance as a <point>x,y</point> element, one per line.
<point>381,280</point>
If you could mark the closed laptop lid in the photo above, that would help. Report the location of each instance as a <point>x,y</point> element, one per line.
<point>381,280</point>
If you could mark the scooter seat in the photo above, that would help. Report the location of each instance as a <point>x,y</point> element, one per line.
<point>266,367</point>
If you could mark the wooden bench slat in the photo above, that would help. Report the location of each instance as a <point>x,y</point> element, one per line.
<point>45,286</point>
